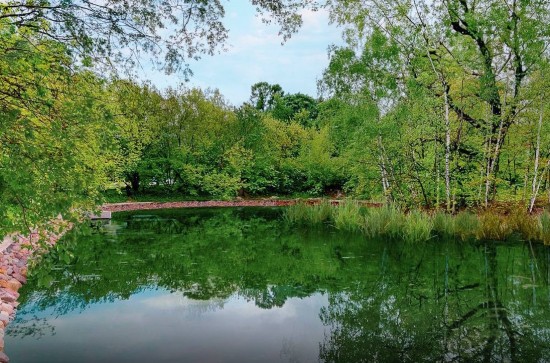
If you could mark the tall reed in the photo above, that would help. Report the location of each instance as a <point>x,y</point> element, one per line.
<point>444,224</point>
<point>466,225</point>
<point>493,226</point>
<point>347,216</point>
<point>302,213</point>
<point>416,226</point>
<point>297,214</point>
<point>544,227</point>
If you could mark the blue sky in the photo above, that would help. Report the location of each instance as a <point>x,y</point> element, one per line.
<point>255,54</point>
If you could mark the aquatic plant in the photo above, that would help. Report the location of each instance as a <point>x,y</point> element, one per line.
<point>386,220</point>
<point>297,213</point>
<point>465,225</point>
<point>347,216</point>
<point>320,213</point>
<point>418,227</point>
<point>544,227</point>
<point>524,223</point>
<point>493,226</point>
<point>443,224</point>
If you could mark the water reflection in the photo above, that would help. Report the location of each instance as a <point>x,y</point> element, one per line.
<point>347,298</point>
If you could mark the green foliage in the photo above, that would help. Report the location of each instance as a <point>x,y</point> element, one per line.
<point>119,32</point>
<point>56,143</point>
<point>302,213</point>
<point>384,221</point>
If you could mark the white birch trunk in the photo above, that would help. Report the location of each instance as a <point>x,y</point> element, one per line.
<point>536,186</point>
<point>447,153</point>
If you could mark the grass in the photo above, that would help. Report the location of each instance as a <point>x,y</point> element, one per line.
<point>347,216</point>
<point>418,226</point>
<point>544,227</point>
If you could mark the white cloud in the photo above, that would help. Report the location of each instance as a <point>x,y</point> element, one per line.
<point>255,54</point>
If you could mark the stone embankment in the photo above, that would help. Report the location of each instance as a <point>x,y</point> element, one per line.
<point>15,253</point>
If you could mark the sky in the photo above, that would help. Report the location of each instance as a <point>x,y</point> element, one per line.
<point>255,54</point>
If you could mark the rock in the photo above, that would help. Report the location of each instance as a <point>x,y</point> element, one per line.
<point>1,343</point>
<point>5,319</point>
<point>14,284</point>
<point>8,296</point>
<point>7,308</point>
<point>20,278</point>
<point>4,358</point>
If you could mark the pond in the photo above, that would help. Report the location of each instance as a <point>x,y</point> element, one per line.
<point>240,285</point>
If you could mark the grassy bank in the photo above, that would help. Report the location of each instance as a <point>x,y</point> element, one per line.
<point>418,226</point>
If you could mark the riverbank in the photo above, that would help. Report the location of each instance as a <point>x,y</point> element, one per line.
<point>268,202</point>
<point>16,252</point>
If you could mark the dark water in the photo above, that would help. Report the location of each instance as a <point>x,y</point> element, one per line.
<point>239,285</point>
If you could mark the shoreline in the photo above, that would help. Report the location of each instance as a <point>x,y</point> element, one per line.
<point>132,206</point>
<point>16,251</point>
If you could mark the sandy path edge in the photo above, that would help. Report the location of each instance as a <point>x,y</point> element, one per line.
<point>130,206</point>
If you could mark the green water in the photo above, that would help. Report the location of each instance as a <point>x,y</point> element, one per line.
<point>239,285</point>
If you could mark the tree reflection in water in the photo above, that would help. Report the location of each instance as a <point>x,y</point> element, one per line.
<point>388,301</point>
<point>479,304</point>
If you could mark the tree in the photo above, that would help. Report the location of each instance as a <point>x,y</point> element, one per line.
<point>263,95</point>
<point>119,30</point>
<point>56,145</point>
<point>488,48</point>
<point>302,108</point>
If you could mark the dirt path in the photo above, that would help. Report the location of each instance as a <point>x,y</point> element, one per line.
<point>129,206</point>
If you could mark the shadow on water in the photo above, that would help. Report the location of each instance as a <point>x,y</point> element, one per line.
<point>387,301</point>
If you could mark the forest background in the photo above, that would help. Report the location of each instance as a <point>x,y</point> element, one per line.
<point>428,104</point>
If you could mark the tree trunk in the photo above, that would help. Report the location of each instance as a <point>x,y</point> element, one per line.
<point>447,154</point>
<point>535,186</point>
<point>134,180</point>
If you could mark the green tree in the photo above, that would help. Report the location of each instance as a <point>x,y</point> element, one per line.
<point>56,145</point>
<point>102,32</point>
<point>263,95</point>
